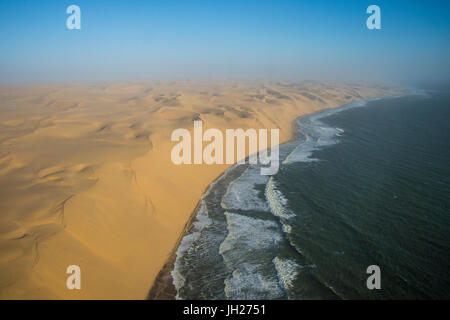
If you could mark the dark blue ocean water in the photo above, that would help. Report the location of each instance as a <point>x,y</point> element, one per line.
<point>364,184</point>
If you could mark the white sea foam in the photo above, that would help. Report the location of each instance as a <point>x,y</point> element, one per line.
<point>242,194</point>
<point>248,282</point>
<point>287,270</point>
<point>223,176</point>
<point>278,205</point>
<point>248,233</point>
<point>317,134</point>
<point>302,153</point>
<point>187,244</point>
<point>277,202</point>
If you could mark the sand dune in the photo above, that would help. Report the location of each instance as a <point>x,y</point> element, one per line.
<point>86,176</point>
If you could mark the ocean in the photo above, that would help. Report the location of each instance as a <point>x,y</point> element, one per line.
<point>364,184</point>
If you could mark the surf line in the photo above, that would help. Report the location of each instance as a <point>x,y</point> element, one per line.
<point>235,139</point>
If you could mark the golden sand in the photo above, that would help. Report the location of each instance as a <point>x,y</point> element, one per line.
<point>86,176</point>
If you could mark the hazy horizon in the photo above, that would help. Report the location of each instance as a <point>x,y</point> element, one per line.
<point>270,40</point>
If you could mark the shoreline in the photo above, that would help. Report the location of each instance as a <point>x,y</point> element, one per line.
<point>163,287</point>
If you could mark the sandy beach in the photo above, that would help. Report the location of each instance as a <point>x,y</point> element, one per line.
<point>86,176</point>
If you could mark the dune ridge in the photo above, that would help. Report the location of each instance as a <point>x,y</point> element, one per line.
<point>86,176</point>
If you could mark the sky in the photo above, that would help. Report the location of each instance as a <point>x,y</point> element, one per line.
<point>249,39</point>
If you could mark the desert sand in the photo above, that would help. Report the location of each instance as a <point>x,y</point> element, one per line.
<point>86,176</point>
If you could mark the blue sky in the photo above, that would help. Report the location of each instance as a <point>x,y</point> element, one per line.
<point>136,40</point>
